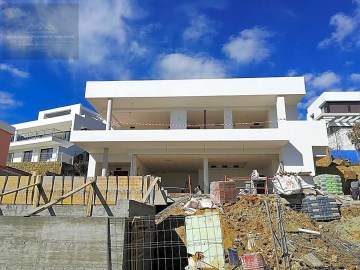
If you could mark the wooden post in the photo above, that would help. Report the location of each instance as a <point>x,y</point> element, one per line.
<point>36,199</point>
<point>189,184</point>
<point>90,199</point>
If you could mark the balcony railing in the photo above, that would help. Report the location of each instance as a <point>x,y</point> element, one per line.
<point>63,135</point>
<point>43,158</point>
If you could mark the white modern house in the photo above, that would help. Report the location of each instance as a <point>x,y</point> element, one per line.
<point>340,111</point>
<point>48,138</point>
<point>206,129</point>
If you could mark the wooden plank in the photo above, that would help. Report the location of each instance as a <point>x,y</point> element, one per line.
<point>150,189</point>
<point>36,198</point>
<point>3,180</point>
<point>61,198</point>
<point>111,190</point>
<point>101,183</point>
<point>135,188</point>
<point>90,199</point>
<point>67,188</point>
<point>11,184</point>
<point>80,197</point>
<point>47,186</point>
<point>57,187</point>
<point>17,190</point>
<point>21,194</point>
<point>122,188</point>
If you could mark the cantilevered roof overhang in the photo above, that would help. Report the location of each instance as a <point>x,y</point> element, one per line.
<point>199,93</point>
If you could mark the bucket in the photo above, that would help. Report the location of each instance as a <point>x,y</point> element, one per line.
<point>253,261</point>
<point>233,256</point>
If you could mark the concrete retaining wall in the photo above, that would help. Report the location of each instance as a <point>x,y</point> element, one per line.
<point>69,240</point>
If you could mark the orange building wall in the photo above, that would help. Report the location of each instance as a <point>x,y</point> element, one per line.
<point>4,146</point>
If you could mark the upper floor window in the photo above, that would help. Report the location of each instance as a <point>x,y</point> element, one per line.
<point>10,157</point>
<point>46,154</point>
<point>27,156</point>
<point>57,114</point>
<point>341,107</point>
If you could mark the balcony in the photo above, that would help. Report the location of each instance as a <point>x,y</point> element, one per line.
<point>48,157</point>
<point>63,135</point>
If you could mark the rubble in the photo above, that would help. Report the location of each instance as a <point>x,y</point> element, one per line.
<point>247,216</point>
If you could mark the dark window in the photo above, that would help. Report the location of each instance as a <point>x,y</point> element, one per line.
<point>46,154</point>
<point>355,107</point>
<point>338,107</point>
<point>27,156</point>
<point>121,173</point>
<point>10,157</point>
<point>57,114</point>
<point>341,107</point>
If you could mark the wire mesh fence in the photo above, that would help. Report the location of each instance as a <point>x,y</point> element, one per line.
<point>149,246</point>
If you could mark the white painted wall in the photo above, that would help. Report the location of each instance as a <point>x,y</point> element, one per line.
<point>297,155</point>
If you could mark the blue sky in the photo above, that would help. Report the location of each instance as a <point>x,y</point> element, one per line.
<point>162,39</point>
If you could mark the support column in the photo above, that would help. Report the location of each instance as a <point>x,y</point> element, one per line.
<point>280,108</point>
<point>109,113</point>
<point>105,163</point>
<point>133,166</point>
<point>15,135</point>
<point>178,118</point>
<point>91,166</point>
<point>228,118</point>
<point>206,175</point>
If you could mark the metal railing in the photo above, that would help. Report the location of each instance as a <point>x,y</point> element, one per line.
<point>63,135</point>
<point>48,157</point>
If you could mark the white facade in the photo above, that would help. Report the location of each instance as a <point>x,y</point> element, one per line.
<point>48,137</point>
<point>340,111</point>
<point>206,129</point>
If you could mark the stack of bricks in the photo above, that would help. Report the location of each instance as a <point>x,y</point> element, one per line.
<point>223,192</point>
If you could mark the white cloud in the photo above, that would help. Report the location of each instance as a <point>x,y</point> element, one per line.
<point>355,77</point>
<point>251,45</point>
<point>346,31</point>
<point>292,73</point>
<point>344,26</point>
<point>180,66</point>
<point>14,71</point>
<point>200,27</point>
<point>137,50</point>
<point>8,101</point>
<point>323,80</point>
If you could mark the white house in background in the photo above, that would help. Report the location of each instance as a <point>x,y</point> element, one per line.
<point>206,128</point>
<point>48,137</point>
<point>340,111</point>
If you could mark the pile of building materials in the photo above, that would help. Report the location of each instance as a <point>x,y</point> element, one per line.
<point>321,208</point>
<point>248,217</point>
<point>223,192</point>
<point>329,183</point>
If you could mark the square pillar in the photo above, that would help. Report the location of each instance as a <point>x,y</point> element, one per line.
<point>133,165</point>
<point>228,118</point>
<point>105,163</point>
<point>91,167</point>
<point>109,113</point>
<point>206,175</point>
<point>178,118</point>
<point>280,108</point>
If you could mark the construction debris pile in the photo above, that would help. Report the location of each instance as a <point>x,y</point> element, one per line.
<point>245,230</point>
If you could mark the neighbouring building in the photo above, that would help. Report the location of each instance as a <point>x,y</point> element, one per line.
<point>340,111</point>
<point>5,136</point>
<point>44,144</point>
<point>203,128</point>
